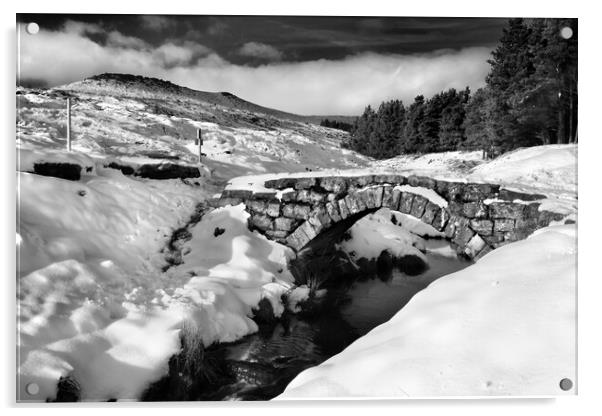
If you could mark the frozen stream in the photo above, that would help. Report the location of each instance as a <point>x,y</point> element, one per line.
<point>265,362</point>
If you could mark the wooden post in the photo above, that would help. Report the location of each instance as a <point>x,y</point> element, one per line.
<point>68,124</point>
<point>199,140</point>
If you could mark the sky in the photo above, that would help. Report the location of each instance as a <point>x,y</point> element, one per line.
<point>302,64</point>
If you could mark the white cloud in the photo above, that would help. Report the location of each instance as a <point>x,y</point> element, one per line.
<point>260,50</point>
<point>316,87</point>
<point>115,38</point>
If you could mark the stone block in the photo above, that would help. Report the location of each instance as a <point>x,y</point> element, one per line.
<point>289,196</point>
<point>257,206</point>
<point>281,183</point>
<point>474,210</point>
<point>463,235</point>
<point>422,181</point>
<point>298,239</point>
<point>353,203</point>
<point>479,191</point>
<point>284,224</point>
<point>506,210</point>
<point>304,195</point>
<point>493,239</point>
<point>261,222</point>
<point>320,219</point>
<point>343,209</point>
<point>264,195</point>
<point>390,179</point>
<point>276,234</point>
<point>474,246</point>
<point>503,225</point>
<point>316,197</point>
<point>304,183</point>
<point>453,191</point>
<point>236,193</point>
<point>360,181</point>
<point>441,218</point>
<point>309,230</point>
<point>455,222</point>
<point>456,208</point>
<point>418,206</point>
<point>430,211</point>
<point>405,202</point>
<point>391,197</point>
<point>333,211</point>
<point>335,185</point>
<point>273,209</point>
<point>372,196</point>
<point>482,227</point>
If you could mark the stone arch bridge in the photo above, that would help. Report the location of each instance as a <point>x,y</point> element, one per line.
<point>306,212</point>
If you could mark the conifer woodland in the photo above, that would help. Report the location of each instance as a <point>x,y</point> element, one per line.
<point>529,99</point>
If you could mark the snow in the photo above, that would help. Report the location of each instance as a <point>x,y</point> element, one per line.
<point>375,233</point>
<point>429,194</point>
<point>503,326</point>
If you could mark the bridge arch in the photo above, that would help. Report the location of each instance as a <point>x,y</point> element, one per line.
<point>303,212</point>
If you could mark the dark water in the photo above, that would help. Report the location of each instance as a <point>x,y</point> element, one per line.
<point>264,363</point>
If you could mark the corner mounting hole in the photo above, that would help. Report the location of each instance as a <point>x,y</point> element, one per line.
<point>566,32</point>
<point>566,384</point>
<point>32,28</point>
<point>32,389</point>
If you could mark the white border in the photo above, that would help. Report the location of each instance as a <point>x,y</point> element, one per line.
<point>590,133</point>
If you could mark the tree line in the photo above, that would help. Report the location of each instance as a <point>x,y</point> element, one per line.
<point>529,98</point>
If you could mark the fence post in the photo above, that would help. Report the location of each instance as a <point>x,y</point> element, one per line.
<point>69,124</point>
<point>199,139</point>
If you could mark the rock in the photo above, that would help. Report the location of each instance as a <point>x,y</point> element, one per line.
<point>430,211</point>
<point>264,195</point>
<point>418,206</point>
<point>478,191</point>
<point>474,210</point>
<point>334,184</point>
<point>289,196</point>
<point>320,219</point>
<point>506,210</point>
<point>405,202</point>
<point>237,193</point>
<point>273,209</point>
<point>298,239</point>
<point>482,227</point>
<point>503,225</point>
<point>391,197</point>
<point>343,209</point>
<point>261,222</point>
<point>69,171</point>
<point>333,211</point>
<point>410,265</point>
<point>422,181</point>
<point>256,206</point>
<point>218,231</point>
<point>222,202</point>
<point>167,171</point>
<point>284,224</point>
<point>304,183</point>
<point>463,235</point>
<point>474,246</point>
<point>281,183</point>
<point>360,181</point>
<point>264,312</point>
<point>441,218</point>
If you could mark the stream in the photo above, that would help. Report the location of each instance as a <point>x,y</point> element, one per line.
<point>263,364</point>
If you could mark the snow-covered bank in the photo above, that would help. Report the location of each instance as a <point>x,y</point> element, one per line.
<point>504,326</point>
<point>93,301</point>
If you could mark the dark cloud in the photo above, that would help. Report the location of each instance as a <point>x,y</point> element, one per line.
<point>286,62</point>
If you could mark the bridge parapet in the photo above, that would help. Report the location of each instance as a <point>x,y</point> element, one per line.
<point>475,217</point>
